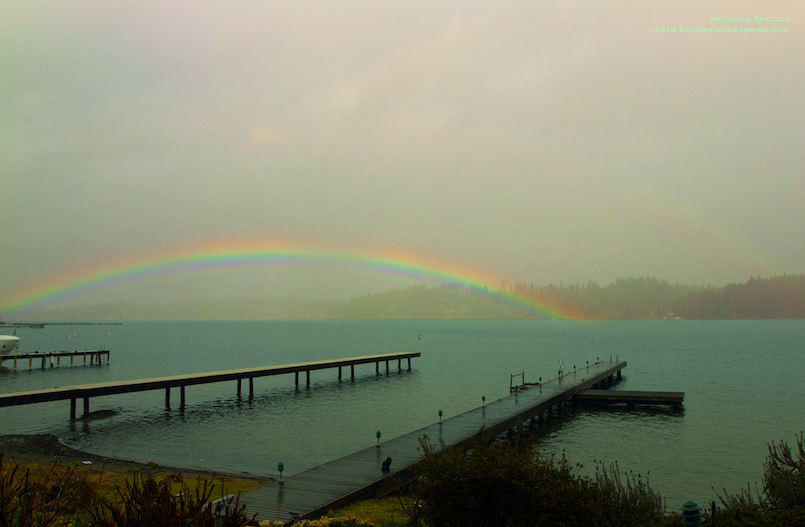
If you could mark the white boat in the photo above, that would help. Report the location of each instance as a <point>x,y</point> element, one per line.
<point>8,344</point>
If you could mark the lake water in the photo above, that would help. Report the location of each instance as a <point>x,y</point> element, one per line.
<point>742,379</point>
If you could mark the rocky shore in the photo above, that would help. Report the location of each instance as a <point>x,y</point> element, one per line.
<point>47,449</point>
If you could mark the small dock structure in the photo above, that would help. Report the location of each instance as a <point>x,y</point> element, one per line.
<point>85,392</point>
<point>358,476</point>
<point>630,399</point>
<point>54,358</point>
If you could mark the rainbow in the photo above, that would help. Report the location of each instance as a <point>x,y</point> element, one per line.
<point>230,254</point>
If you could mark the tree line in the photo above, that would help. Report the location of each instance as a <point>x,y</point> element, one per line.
<point>626,298</point>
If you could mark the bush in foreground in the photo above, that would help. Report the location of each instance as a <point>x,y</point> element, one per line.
<point>500,485</point>
<point>64,497</point>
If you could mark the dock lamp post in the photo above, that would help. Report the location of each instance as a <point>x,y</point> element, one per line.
<point>691,513</point>
<point>378,439</point>
<point>280,467</point>
<point>440,417</point>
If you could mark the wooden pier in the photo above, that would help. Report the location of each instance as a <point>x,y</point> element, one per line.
<point>630,399</point>
<point>95,357</point>
<point>358,476</point>
<point>73,393</point>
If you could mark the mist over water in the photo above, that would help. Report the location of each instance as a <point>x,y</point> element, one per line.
<point>738,376</point>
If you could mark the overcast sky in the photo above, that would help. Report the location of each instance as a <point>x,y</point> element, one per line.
<point>535,141</point>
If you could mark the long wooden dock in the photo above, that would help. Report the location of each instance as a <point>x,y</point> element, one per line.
<point>73,393</point>
<point>47,357</point>
<point>359,476</point>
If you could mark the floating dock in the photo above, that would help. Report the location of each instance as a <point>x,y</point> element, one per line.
<point>359,476</point>
<point>95,357</point>
<point>631,399</point>
<point>73,393</point>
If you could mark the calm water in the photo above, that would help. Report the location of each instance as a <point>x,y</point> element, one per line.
<point>743,383</point>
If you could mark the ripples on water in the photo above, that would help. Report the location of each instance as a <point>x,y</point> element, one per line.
<point>739,377</point>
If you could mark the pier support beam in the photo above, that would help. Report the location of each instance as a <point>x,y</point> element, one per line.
<point>352,371</point>
<point>181,397</point>
<point>167,397</point>
<point>86,406</point>
<point>409,363</point>
<point>251,388</point>
<point>239,387</point>
<point>387,367</point>
<point>72,409</point>
<point>339,373</point>
<point>377,368</point>
<point>296,375</point>
<point>308,377</point>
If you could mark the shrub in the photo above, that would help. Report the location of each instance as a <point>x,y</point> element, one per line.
<point>144,501</point>
<point>635,496</point>
<point>65,497</point>
<point>784,476</point>
<point>497,484</point>
<point>28,502</point>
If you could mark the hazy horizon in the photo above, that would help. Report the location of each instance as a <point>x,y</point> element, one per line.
<point>490,139</point>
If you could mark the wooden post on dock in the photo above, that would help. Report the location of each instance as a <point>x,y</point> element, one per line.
<point>168,397</point>
<point>86,406</point>
<point>296,375</point>
<point>308,378</point>
<point>181,397</point>
<point>352,371</point>
<point>409,363</point>
<point>251,388</point>
<point>387,367</point>
<point>239,387</point>
<point>339,373</point>
<point>72,409</point>
<point>377,368</point>
<point>399,364</point>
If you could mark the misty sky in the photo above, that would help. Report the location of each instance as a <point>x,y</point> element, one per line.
<point>536,141</point>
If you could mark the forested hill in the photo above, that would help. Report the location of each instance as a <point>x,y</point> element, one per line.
<point>628,298</point>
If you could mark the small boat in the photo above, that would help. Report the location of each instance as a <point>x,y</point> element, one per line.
<point>8,344</point>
